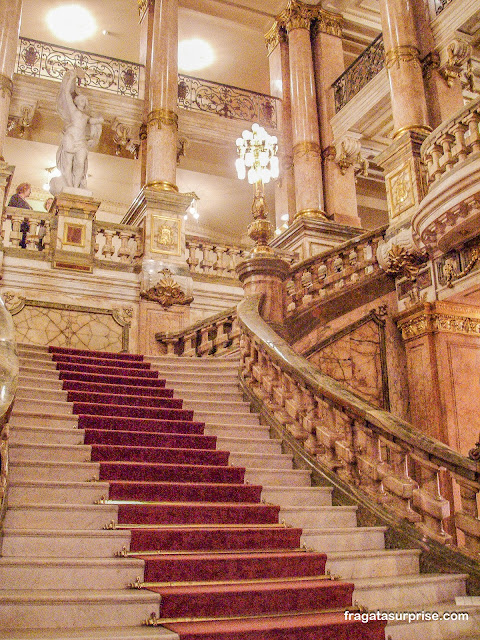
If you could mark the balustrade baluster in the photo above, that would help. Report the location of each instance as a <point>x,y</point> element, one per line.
<point>124,252</point>
<point>32,238</point>
<point>15,236</point>
<point>108,248</point>
<point>460,149</point>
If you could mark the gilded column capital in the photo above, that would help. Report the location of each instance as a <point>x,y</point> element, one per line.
<point>403,53</point>
<point>162,116</point>
<point>274,36</point>
<point>296,15</point>
<point>326,22</point>
<point>143,6</point>
<point>6,85</point>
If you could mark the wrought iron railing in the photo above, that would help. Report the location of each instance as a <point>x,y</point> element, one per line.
<point>359,73</point>
<point>43,60</point>
<point>227,101</point>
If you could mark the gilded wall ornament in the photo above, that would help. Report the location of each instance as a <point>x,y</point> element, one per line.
<point>6,86</point>
<point>274,36</point>
<point>450,271</point>
<point>167,292</point>
<point>165,235</point>
<point>438,317</point>
<point>404,53</point>
<point>402,263</point>
<point>306,148</point>
<point>458,52</point>
<point>400,190</point>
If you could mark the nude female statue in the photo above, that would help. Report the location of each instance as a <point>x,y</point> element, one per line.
<point>81,133</point>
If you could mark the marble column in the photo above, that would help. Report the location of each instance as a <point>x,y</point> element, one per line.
<point>162,119</point>
<point>146,11</point>
<point>279,65</point>
<point>306,136</point>
<point>10,16</point>
<point>338,167</point>
<point>402,60</point>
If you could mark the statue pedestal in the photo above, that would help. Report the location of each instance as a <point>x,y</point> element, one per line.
<point>73,244</point>
<point>164,267</point>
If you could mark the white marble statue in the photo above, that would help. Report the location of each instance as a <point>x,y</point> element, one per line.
<point>81,133</point>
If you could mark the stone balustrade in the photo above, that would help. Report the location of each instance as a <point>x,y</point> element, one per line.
<point>20,229</point>
<point>117,243</point>
<point>332,271</point>
<point>217,335</point>
<point>213,258</point>
<point>407,473</point>
<point>452,143</point>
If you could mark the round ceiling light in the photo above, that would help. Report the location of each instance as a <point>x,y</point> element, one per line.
<point>194,54</point>
<point>71,22</point>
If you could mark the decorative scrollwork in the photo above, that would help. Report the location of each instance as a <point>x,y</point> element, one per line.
<point>405,53</point>
<point>42,60</point>
<point>401,262</point>
<point>458,52</point>
<point>450,271</point>
<point>359,73</point>
<point>226,101</point>
<point>167,292</point>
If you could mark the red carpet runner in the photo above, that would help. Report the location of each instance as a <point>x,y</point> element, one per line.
<point>224,567</point>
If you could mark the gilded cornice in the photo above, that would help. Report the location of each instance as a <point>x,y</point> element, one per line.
<point>439,317</point>
<point>143,6</point>
<point>274,36</point>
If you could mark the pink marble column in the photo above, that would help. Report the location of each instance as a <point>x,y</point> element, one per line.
<point>306,137</point>
<point>162,119</point>
<point>338,179</point>
<point>10,16</point>
<point>402,59</point>
<point>146,11</point>
<point>279,65</point>
<point>443,94</point>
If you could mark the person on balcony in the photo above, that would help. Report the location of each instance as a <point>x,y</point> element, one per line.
<point>19,198</point>
<point>81,133</point>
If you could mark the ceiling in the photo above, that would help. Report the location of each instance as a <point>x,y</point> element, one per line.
<point>234,29</point>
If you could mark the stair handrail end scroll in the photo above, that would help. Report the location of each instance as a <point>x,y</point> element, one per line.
<point>399,473</point>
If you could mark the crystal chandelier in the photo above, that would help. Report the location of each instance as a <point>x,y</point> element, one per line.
<point>257,161</point>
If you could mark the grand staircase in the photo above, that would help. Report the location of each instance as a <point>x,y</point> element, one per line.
<point>130,505</point>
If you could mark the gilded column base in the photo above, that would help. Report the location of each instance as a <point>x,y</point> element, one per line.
<point>260,231</point>
<point>161,185</point>
<point>317,214</point>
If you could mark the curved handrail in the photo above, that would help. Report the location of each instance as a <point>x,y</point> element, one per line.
<point>4,461</point>
<point>388,458</point>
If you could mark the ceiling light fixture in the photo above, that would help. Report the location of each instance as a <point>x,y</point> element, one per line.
<point>194,54</point>
<point>71,22</point>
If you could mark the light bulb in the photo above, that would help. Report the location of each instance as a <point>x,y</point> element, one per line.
<point>274,166</point>
<point>240,166</point>
<point>247,135</point>
<point>266,175</point>
<point>255,127</point>
<point>196,215</point>
<point>249,159</point>
<point>263,158</point>
<point>239,142</point>
<point>284,218</point>
<point>252,176</point>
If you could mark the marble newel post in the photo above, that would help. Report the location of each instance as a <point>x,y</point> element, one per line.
<point>306,136</point>
<point>10,16</point>
<point>279,66</point>
<point>159,208</point>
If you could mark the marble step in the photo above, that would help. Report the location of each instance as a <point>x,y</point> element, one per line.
<point>42,419</point>
<point>42,370</point>
<point>355,565</point>
<point>68,573</point>
<point>47,435</point>
<point>182,375</point>
<point>206,394</point>
<point>319,516</point>
<point>100,633</point>
<point>56,492</point>
<point>329,540</point>
<point>47,406</point>
<point>232,405</point>
<point>292,477</point>
<point>398,592</point>
<point>249,445</point>
<point>50,452</point>
<point>39,393</point>
<point>76,609</point>
<point>235,429</point>
<point>183,388</point>
<point>45,543</point>
<point>60,516</point>
<point>33,361</point>
<point>263,460</point>
<point>23,470</point>
<point>25,380</point>
<point>225,418</point>
<point>297,496</point>
<point>176,361</point>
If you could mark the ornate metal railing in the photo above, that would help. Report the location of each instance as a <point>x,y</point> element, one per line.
<point>359,73</point>
<point>226,101</point>
<point>333,271</point>
<point>43,60</point>
<point>440,5</point>
<point>405,472</point>
<point>217,336</point>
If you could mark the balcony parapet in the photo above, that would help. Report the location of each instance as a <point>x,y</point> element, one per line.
<point>449,215</point>
<point>333,272</point>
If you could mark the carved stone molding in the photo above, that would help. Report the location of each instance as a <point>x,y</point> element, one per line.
<point>6,86</point>
<point>167,292</point>
<point>274,36</point>
<point>348,153</point>
<point>458,52</point>
<point>439,317</point>
<point>399,255</point>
